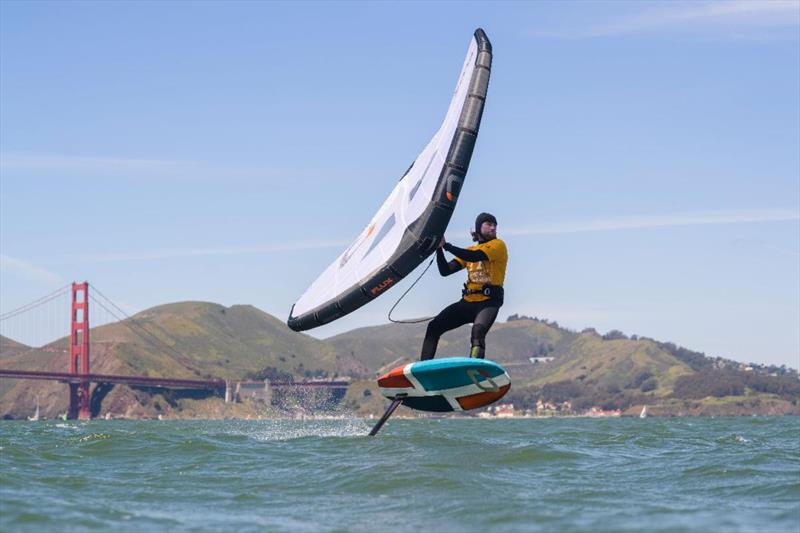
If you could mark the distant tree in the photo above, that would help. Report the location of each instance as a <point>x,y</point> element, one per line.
<point>638,379</point>
<point>782,385</point>
<point>561,391</point>
<point>271,373</point>
<point>542,350</point>
<point>613,335</point>
<point>609,405</point>
<point>728,382</point>
<point>525,398</point>
<point>649,385</point>
<point>712,382</point>
<point>695,360</point>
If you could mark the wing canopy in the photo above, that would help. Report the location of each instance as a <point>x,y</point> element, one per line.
<point>409,224</point>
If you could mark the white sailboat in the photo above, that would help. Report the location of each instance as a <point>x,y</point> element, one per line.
<point>35,416</point>
<point>643,414</point>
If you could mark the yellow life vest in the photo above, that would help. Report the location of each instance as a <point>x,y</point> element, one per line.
<point>489,272</point>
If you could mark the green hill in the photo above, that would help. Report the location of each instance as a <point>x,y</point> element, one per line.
<point>10,347</point>
<point>574,355</point>
<point>192,340</point>
<point>554,364</point>
<point>546,362</point>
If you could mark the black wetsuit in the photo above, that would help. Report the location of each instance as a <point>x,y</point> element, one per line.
<point>481,314</point>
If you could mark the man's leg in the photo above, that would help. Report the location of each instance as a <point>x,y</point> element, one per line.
<point>480,327</point>
<point>451,317</point>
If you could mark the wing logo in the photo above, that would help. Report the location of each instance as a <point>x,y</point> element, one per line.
<point>382,286</point>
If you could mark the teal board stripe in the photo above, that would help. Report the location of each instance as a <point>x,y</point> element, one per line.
<point>451,372</point>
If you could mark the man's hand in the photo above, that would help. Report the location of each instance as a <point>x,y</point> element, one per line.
<point>442,243</point>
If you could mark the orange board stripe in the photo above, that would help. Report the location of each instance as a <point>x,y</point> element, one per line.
<point>473,401</point>
<point>394,379</point>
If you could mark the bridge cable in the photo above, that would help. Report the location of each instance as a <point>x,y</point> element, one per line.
<point>159,345</point>
<point>181,357</point>
<point>159,328</point>
<point>27,307</point>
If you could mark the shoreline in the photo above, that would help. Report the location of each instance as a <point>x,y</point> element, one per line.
<point>400,417</point>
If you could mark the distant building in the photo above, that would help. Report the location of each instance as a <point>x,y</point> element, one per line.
<point>597,411</point>
<point>535,360</point>
<point>504,410</point>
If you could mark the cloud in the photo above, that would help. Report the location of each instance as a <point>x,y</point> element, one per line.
<point>660,221</point>
<point>602,224</point>
<point>21,165</point>
<point>738,18</point>
<point>28,271</point>
<point>171,253</point>
<point>31,161</point>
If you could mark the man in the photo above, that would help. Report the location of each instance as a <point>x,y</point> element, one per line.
<point>483,292</point>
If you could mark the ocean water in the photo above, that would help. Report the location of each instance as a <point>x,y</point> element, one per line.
<point>678,474</point>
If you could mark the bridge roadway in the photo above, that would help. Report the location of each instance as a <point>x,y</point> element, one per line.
<point>206,384</point>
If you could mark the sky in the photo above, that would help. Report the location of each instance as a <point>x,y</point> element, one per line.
<point>642,158</point>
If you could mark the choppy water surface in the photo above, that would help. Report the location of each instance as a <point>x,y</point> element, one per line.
<point>689,474</point>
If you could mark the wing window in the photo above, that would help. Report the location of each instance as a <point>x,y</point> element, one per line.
<point>387,226</point>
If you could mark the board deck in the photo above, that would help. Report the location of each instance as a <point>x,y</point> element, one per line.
<point>447,384</point>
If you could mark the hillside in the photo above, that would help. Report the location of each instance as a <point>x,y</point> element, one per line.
<point>10,347</point>
<point>547,363</point>
<point>555,365</point>
<point>192,340</point>
<point>512,344</point>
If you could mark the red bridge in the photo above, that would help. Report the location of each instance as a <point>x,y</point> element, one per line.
<point>79,378</point>
<point>210,384</point>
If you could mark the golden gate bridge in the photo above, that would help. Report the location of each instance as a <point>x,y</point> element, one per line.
<point>40,319</point>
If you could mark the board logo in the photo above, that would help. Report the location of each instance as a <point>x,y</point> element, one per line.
<point>382,286</point>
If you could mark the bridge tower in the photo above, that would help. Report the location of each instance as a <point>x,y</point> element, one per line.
<point>79,352</point>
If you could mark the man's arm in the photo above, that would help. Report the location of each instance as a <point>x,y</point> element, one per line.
<point>471,256</point>
<point>445,268</point>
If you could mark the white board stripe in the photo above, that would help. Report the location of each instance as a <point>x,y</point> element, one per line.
<point>457,392</point>
<point>417,385</point>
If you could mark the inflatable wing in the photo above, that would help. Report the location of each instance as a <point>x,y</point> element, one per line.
<point>412,220</point>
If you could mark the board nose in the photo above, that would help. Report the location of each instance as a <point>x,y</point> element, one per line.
<point>395,378</point>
